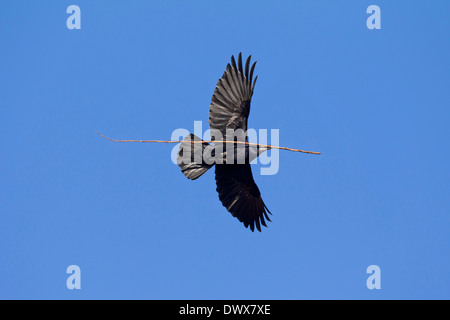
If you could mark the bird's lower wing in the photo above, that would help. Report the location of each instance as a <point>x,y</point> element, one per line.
<point>239,193</point>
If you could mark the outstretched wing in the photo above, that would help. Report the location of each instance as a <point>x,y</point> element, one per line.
<point>239,193</point>
<point>230,103</point>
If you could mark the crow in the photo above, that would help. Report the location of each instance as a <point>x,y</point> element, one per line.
<point>228,117</point>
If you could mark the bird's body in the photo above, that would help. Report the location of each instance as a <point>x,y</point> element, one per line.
<point>228,119</point>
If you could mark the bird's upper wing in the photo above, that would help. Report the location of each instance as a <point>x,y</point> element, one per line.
<point>230,103</point>
<point>239,193</point>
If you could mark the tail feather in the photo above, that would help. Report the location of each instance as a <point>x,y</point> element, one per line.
<point>190,157</point>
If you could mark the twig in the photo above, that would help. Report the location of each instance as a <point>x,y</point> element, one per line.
<point>202,141</point>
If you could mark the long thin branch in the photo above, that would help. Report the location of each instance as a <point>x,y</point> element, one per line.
<point>202,141</point>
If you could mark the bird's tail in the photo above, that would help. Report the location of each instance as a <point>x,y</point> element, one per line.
<point>190,157</point>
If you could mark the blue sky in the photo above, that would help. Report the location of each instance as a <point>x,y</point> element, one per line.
<point>374,102</point>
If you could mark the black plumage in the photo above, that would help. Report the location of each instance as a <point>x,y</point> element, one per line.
<point>229,111</point>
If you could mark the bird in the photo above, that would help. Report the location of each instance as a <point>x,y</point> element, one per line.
<point>228,119</point>
<point>228,114</point>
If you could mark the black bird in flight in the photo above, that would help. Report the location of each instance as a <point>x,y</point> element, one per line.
<point>228,117</point>
<point>229,110</point>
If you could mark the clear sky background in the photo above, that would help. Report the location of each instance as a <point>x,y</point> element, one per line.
<point>375,102</point>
